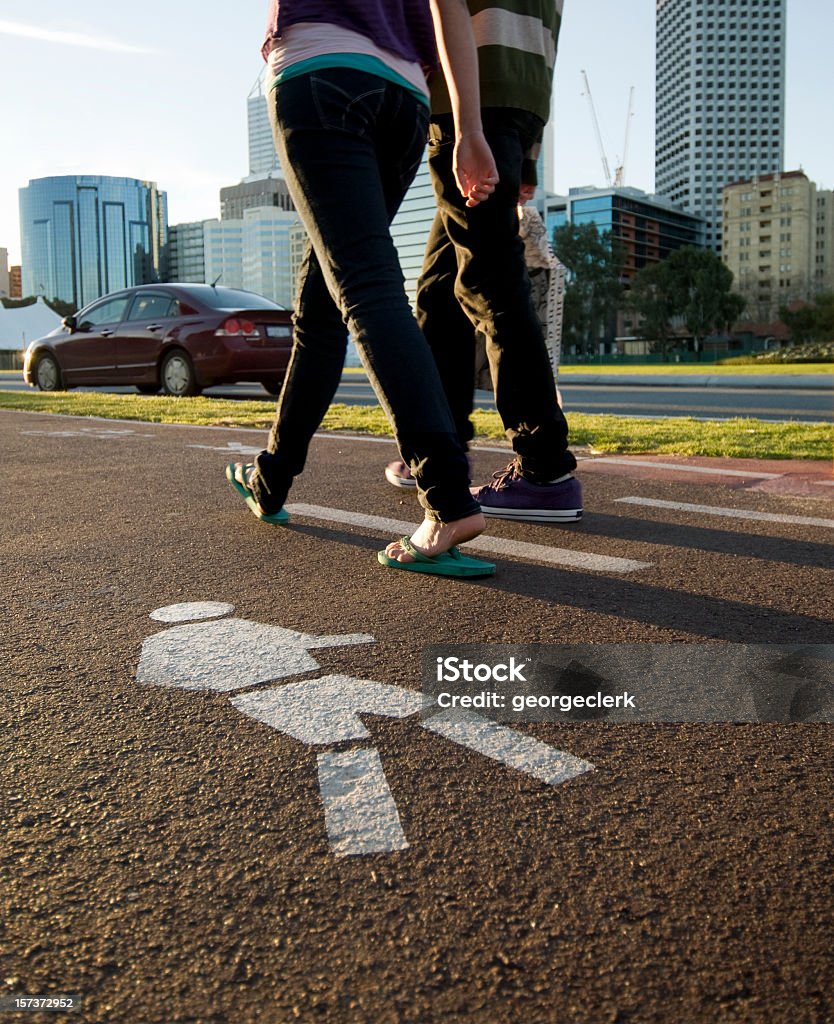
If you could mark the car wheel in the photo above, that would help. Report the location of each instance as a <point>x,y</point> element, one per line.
<point>178,376</point>
<point>48,374</point>
<point>147,389</point>
<point>273,385</point>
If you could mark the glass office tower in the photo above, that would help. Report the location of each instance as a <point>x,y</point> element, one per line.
<point>649,228</point>
<point>85,236</point>
<point>263,159</point>
<point>720,106</point>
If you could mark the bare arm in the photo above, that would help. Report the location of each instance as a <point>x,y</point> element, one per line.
<point>475,170</point>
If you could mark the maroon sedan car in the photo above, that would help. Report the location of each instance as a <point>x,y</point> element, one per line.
<point>177,337</point>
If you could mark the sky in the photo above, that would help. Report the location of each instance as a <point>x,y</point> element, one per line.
<point>158,92</point>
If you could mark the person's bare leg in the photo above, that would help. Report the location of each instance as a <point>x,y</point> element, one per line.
<point>432,538</point>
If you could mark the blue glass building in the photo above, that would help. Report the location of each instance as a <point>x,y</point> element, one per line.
<point>85,236</point>
<point>650,228</point>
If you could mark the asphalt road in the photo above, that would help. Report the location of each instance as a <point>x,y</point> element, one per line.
<point>782,398</point>
<point>706,402</point>
<point>808,399</point>
<point>177,833</point>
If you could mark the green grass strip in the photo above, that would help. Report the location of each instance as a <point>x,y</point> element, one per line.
<point>736,438</point>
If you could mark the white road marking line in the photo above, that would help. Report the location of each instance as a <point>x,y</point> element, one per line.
<point>97,433</point>
<point>360,814</point>
<point>732,513</point>
<point>556,556</point>
<point>390,440</point>
<point>487,448</point>
<point>354,437</point>
<point>496,545</point>
<point>232,448</point>
<point>514,749</point>
<point>687,469</point>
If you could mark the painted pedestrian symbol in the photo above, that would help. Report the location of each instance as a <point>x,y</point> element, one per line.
<point>206,650</point>
<point>227,654</point>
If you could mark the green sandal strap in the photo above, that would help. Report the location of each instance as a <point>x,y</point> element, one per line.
<point>418,556</point>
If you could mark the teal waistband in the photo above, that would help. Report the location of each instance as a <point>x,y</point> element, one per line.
<point>357,61</point>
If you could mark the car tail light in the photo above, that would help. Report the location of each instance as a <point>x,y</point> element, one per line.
<point>233,326</point>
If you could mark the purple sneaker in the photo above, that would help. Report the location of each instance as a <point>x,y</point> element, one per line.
<point>510,496</point>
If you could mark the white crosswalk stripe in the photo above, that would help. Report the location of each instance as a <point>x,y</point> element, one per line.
<point>731,513</point>
<point>521,550</point>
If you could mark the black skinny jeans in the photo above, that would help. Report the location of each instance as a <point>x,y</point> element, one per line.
<point>350,144</point>
<point>474,277</point>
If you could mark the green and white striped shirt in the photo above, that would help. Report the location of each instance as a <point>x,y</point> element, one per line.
<point>516,42</point>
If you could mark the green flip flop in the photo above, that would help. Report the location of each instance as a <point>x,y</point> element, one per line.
<point>245,491</point>
<point>450,563</point>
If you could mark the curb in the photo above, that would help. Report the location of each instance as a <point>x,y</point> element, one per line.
<point>781,382</point>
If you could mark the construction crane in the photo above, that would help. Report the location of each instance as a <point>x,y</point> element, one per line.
<point>619,175</point>
<point>606,169</point>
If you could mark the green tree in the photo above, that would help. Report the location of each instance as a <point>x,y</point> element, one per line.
<point>811,322</point>
<point>652,298</point>
<point>703,286</point>
<point>61,308</point>
<point>594,262</point>
<point>56,305</point>
<point>692,286</point>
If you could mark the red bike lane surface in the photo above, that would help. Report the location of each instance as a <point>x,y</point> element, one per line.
<point>799,477</point>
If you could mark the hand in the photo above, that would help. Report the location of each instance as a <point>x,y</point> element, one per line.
<point>474,167</point>
<point>525,194</point>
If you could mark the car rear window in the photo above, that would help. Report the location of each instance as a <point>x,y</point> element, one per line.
<point>150,306</point>
<point>231,298</point>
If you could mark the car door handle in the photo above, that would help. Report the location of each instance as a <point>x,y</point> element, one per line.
<point>105,333</point>
<point>154,327</point>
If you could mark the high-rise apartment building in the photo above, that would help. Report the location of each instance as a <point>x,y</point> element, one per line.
<point>223,252</point>
<point>267,258</point>
<point>252,192</point>
<point>254,252</point>
<point>298,249</point>
<point>823,268</point>
<point>778,241</point>
<point>720,104</point>
<point>186,257</point>
<point>85,236</point>
<point>5,283</point>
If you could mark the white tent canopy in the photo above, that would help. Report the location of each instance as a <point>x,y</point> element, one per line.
<point>23,324</point>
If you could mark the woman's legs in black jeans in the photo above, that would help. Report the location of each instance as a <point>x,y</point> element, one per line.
<point>350,144</point>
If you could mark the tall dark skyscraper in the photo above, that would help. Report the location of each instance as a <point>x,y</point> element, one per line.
<point>720,106</point>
